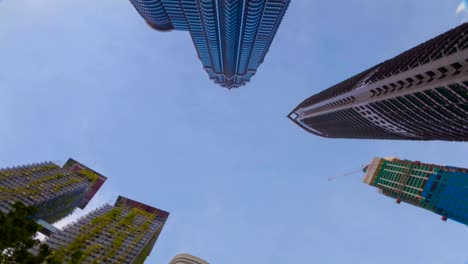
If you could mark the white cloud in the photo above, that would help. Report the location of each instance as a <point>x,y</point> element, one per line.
<point>98,200</point>
<point>461,8</point>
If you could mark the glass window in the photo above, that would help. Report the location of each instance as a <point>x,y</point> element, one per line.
<point>423,98</point>
<point>463,92</point>
<point>447,94</point>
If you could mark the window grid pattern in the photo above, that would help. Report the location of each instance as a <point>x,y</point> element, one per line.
<point>110,234</point>
<point>347,123</point>
<point>433,114</point>
<point>55,191</point>
<point>440,189</point>
<point>154,13</point>
<point>231,37</point>
<point>404,179</point>
<point>446,44</point>
<point>439,113</point>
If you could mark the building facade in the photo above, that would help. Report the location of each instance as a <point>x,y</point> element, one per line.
<point>123,233</point>
<point>187,259</point>
<point>421,94</point>
<point>440,189</point>
<point>231,37</point>
<point>56,191</point>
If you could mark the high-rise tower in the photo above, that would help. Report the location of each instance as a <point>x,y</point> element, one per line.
<point>440,189</point>
<point>123,233</point>
<point>421,94</point>
<point>231,37</point>
<point>56,191</point>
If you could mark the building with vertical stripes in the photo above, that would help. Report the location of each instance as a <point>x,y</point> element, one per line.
<point>55,191</point>
<point>123,233</point>
<point>231,37</point>
<point>440,189</point>
<point>187,259</point>
<point>421,94</point>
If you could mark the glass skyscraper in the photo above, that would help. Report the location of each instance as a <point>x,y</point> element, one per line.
<point>123,233</point>
<point>56,191</point>
<point>421,94</point>
<point>231,37</point>
<point>440,189</point>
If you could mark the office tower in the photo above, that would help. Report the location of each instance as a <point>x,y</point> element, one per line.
<point>440,189</point>
<point>123,233</point>
<point>421,94</point>
<point>56,191</point>
<point>187,259</point>
<point>231,37</point>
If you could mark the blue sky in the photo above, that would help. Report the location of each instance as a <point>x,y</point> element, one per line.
<point>90,80</point>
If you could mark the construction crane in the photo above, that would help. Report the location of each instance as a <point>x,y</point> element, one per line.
<point>346,174</point>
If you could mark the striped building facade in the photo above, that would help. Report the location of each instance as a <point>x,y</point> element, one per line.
<point>231,37</point>
<point>421,94</point>
<point>123,233</point>
<point>440,189</point>
<point>56,191</point>
<point>187,259</point>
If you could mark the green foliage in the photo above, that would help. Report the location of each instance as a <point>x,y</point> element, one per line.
<point>107,217</point>
<point>74,250</point>
<point>17,230</point>
<point>116,223</point>
<point>26,170</point>
<point>65,184</point>
<point>141,231</point>
<point>92,248</point>
<point>34,187</point>
<point>146,251</point>
<point>51,177</point>
<point>91,176</point>
<point>76,256</point>
<point>128,219</point>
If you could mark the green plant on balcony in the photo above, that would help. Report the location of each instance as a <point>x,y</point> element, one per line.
<point>49,178</point>
<point>140,229</point>
<point>91,249</point>
<point>66,184</point>
<point>89,175</point>
<point>98,224</point>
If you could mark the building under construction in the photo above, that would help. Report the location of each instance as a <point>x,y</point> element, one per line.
<point>440,189</point>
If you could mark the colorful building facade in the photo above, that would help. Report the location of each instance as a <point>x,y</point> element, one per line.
<point>56,191</point>
<point>440,189</point>
<point>123,233</point>
<point>231,37</point>
<point>421,94</point>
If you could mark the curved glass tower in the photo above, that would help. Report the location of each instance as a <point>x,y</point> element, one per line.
<point>421,94</point>
<point>231,37</point>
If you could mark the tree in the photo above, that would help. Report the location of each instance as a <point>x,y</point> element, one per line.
<point>17,231</point>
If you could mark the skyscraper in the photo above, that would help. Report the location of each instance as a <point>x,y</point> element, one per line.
<point>55,191</point>
<point>440,189</point>
<point>421,94</point>
<point>187,259</point>
<point>123,233</point>
<point>231,37</point>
